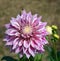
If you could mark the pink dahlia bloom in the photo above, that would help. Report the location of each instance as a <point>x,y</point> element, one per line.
<point>26,34</point>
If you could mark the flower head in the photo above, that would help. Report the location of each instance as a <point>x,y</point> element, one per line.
<point>49,29</point>
<point>26,34</point>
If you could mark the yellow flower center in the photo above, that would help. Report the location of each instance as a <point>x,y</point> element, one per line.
<point>27,29</point>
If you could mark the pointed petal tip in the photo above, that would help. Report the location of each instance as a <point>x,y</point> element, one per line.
<point>24,11</point>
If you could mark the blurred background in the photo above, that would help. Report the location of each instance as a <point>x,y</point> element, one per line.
<point>48,9</point>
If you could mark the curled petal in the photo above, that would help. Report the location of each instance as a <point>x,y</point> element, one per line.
<point>12,32</point>
<point>15,24</point>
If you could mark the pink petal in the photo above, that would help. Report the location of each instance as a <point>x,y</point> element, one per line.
<point>26,44</point>
<point>12,32</point>
<point>36,22</point>
<point>21,54</point>
<point>15,24</point>
<point>15,40</point>
<point>34,18</point>
<point>37,42</point>
<point>17,50</point>
<point>18,18</point>
<point>20,43</point>
<point>44,32</point>
<point>23,16</point>
<point>9,43</point>
<point>27,54</point>
<point>31,52</point>
<point>15,45</point>
<point>39,18</point>
<point>43,24</point>
<point>5,39</point>
<point>29,17</point>
<point>43,41</point>
<point>32,44</point>
<point>7,25</point>
<point>42,48</point>
<point>24,50</point>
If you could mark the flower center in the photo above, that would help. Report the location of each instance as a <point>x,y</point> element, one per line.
<point>27,29</point>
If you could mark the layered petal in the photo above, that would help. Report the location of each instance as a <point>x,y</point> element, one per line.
<point>12,32</point>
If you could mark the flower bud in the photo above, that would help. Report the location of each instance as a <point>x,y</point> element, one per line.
<point>49,29</point>
<point>54,27</point>
<point>56,36</point>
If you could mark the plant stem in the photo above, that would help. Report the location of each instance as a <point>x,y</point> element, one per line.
<point>41,58</point>
<point>55,50</point>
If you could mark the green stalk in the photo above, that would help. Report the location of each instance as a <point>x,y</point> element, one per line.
<point>41,58</point>
<point>55,50</point>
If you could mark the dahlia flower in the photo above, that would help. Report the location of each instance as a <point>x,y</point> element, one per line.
<point>26,34</point>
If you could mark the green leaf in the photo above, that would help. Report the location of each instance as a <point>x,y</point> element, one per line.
<point>24,58</point>
<point>8,58</point>
<point>58,54</point>
<point>38,57</point>
<point>31,58</point>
